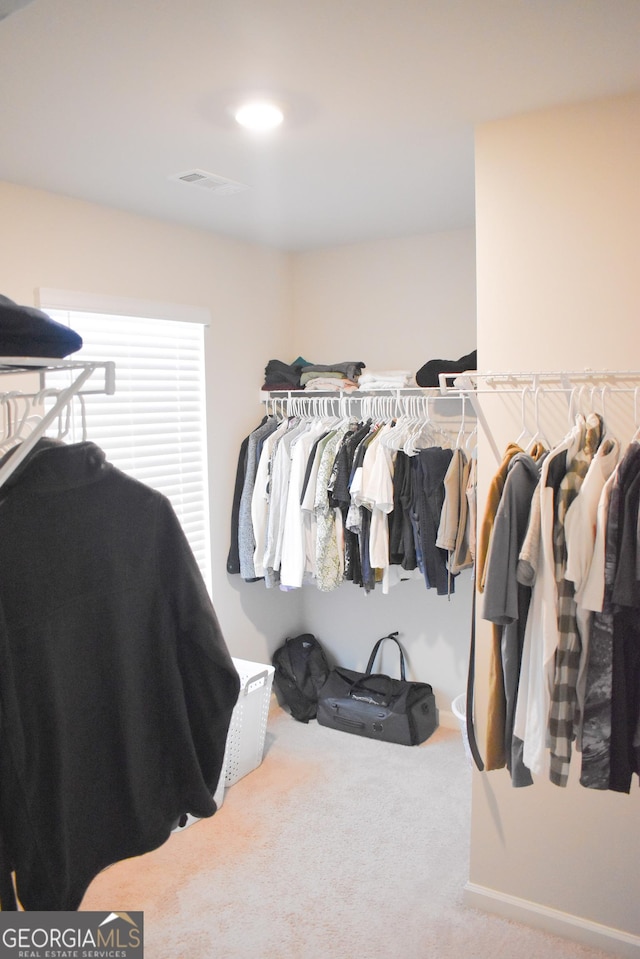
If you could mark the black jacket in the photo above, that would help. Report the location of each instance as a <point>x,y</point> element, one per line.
<point>116,686</point>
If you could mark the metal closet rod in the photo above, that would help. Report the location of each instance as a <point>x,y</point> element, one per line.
<point>43,364</point>
<point>301,400</point>
<point>357,394</point>
<point>493,382</point>
<point>470,378</point>
<point>84,370</point>
<point>395,402</point>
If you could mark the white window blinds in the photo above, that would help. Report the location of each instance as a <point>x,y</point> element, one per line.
<point>154,427</point>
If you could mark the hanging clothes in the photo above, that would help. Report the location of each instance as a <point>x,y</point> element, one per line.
<point>322,500</point>
<point>340,498</point>
<point>430,468</point>
<point>453,532</point>
<point>506,604</point>
<point>329,563</point>
<point>359,514</point>
<point>260,498</point>
<point>573,613</point>
<point>596,724</point>
<point>293,553</point>
<point>495,744</point>
<point>580,524</point>
<point>246,537</point>
<point>402,549</point>
<point>541,631</point>
<point>280,474</point>
<point>620,613</point>
<point>563,715</point>
<point>233,556</point>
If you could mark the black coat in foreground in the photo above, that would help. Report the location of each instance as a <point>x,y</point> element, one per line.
<point>116,685</point>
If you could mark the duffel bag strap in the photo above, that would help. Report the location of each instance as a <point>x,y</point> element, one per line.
<point>374,652</point>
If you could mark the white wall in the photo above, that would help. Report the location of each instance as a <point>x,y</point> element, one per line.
<point>393,304</point>
<point>558,234</point>
<point>52,241</point>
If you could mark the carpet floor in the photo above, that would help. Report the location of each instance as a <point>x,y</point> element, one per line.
<point>336,846</point>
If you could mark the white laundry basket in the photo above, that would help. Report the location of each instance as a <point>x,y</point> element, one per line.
<point>459,709</point>
<point>247,731</point>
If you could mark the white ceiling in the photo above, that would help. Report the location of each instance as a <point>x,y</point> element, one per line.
<point>106,100</point>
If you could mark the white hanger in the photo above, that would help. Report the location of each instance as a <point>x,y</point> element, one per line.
<point>460,436</point>
<point>17,422</point>
<point>417,425</point>
<point>427,434</point>
<point>9,416</point>
<point>525,429</point>
<point>405,417</point>
<point>471,445</point>
<point>538,436</point>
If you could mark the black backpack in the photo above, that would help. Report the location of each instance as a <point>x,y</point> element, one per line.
<point>301,669</point>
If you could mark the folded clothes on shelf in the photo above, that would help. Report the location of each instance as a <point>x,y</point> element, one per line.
<point>386,379</point>
<point>335,384</point>
<point>428,375</point>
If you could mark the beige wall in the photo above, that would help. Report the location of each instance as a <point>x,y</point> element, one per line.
<point>392,303</point>
<point>56,242</point>
<point>558,234</point>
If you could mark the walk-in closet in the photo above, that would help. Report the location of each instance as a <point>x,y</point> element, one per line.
<point>442,182</point>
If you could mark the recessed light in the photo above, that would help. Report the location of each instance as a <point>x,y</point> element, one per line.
<point>259,115</point>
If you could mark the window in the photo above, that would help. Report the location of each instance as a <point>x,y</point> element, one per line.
<point>154,426</point>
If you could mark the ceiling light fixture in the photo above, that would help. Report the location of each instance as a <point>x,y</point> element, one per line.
<point>259,115</point>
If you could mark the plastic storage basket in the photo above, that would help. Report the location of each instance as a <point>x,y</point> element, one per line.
<point>247,731</point>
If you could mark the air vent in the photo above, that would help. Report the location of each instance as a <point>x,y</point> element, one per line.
<point>211,182</point>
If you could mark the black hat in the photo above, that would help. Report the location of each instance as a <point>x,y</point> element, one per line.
<point>26,331</point>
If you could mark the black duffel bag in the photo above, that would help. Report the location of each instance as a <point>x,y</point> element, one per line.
<point>377,706</point>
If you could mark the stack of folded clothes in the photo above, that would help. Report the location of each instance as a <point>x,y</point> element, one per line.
<point>301,375</point>
<point>386,380</point>
<point>279,375</point>
<point>333,376</point>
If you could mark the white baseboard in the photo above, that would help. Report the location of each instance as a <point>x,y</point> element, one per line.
<point>614,941</point>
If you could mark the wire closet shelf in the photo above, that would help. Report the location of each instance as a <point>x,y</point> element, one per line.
<point>24,418</point>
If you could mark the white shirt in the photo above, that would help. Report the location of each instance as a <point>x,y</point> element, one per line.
<point>580,521</point>
<point>592,593</point>
<point>260,498</point>
<point>292,560</point>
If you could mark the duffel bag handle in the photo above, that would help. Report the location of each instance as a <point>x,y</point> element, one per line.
<point>374,652</point>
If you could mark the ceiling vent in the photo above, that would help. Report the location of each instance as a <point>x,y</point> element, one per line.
<point>211,182</point>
